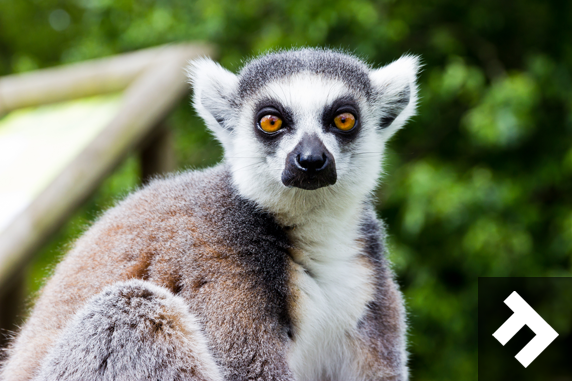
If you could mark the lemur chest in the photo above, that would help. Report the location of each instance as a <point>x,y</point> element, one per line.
<point>332,283</point>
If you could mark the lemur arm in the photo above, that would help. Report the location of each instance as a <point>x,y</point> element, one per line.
<point>382,336</point>
<point>132,330</point>
<point>383,328</point>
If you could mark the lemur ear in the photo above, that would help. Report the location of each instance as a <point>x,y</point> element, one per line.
<point>396,88</point>
<point>213,88</point>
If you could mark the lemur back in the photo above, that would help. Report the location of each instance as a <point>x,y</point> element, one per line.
<point>240,272</point>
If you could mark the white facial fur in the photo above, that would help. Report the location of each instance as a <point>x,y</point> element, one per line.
<point>257,175</point>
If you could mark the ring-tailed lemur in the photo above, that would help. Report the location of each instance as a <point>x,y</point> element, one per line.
<point>270,266</point>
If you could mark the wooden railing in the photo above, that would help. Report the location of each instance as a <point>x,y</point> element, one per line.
<point>152,82</point>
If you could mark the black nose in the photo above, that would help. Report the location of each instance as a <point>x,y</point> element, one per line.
<point>310,165</point>
<point>312,161</point>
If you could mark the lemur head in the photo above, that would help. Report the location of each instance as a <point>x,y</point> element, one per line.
<point>304,126</point>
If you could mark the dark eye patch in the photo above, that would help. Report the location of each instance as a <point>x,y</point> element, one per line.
<point>270,106</point>
<point>339,106</point>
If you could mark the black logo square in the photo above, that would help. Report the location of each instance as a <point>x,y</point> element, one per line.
<point>551,299</point>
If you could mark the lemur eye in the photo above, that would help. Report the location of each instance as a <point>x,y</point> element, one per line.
<point>270,123</point>
<point>345,121</point>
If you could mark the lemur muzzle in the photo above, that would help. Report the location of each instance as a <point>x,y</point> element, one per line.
<point>310,165</point>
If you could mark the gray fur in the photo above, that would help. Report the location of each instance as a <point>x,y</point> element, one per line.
<point>393,108</point>
<point>385,313</point>
<point>328,63</point>
<point>193,235</point>
<point>131,331</point>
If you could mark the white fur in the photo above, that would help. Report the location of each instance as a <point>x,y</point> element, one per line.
<point>213,86</point>
<point>258,177</point>
<point>392,79</point>
<point>331,298</point>
<point>334,294</point>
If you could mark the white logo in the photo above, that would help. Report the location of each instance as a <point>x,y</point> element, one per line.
<point>525,315</point>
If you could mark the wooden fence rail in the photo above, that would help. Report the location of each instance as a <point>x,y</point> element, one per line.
<point>152,82</point>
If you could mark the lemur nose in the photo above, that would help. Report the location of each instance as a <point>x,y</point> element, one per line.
<point>309,165</point>
<point>312,161</point>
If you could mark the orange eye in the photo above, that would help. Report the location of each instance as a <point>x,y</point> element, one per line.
<point>345,121</point>
<point>270,123</point>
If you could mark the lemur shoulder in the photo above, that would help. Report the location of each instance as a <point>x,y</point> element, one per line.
<point>269,266</point>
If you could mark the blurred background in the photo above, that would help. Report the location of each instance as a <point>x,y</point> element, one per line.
<point>478,184</point>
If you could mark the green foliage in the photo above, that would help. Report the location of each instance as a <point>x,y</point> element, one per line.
<point>479,184</point>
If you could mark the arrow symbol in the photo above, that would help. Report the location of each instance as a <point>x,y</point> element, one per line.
<point>523,315</point>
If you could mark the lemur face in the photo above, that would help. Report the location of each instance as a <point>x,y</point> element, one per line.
<point>308,127</point>
<point>304,122</point>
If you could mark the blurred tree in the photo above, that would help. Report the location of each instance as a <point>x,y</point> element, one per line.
<point>479,184</point>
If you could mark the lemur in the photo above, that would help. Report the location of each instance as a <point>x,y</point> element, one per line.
<point>269,266</point>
